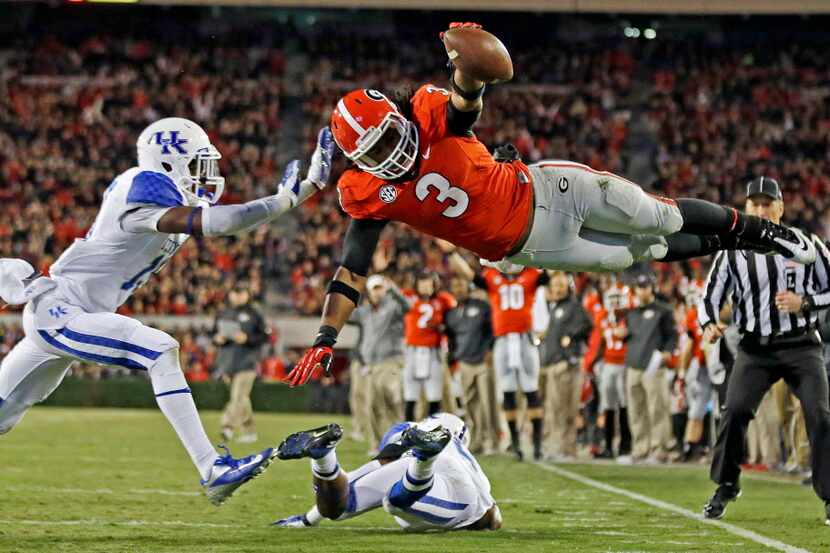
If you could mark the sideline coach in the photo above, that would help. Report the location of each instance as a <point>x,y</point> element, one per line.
<point>776,305</point>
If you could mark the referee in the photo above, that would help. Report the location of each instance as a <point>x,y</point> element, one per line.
<point>775,309</point>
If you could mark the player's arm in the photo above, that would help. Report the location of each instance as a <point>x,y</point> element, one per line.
<point>460,266</point>
<point>465,105</point>
<point>342,297</point>
<point>223,220</point>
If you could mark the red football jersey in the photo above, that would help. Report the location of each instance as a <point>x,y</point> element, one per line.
<point>693,328</point>
<point>460,193</point>
<point>615,347</point>
<point>511,299</point>
<point>423,322</point>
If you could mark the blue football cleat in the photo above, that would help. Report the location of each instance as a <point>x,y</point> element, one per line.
<point>295,521</point>
<point>426,443</point>
<point>314,443</point>
<point>227,473</point>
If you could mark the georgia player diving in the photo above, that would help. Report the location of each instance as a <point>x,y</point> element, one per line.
<point>423,368</point>
<point>418,162</point>
<point>146,215</point>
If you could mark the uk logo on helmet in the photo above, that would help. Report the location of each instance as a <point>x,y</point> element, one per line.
<point>388,193</point>
<point>173,142</point>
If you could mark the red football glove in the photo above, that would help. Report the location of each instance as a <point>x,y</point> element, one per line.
<point>306,368</point>
<point>456,24</point>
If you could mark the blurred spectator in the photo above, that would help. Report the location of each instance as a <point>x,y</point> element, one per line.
<point>239,332</point>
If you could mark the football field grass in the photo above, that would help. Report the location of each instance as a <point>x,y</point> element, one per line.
<point>113,480</point>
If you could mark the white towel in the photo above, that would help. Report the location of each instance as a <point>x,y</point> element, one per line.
<point>514,350</point>
<point>423,362</point>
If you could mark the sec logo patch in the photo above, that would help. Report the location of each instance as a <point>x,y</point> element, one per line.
<point>563,184</point>
<point>388,193</point>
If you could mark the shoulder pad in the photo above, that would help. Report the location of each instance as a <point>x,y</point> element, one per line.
<point>149,187</point>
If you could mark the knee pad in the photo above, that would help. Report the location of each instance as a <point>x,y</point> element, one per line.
<point>166,373</point>
<point>509,401</point>
<point>533,400</point>
<point>617,261</point>
<point>662,216</point>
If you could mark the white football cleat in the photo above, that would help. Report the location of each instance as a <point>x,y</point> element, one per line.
<point>796,245</point>
<point>227,474</point>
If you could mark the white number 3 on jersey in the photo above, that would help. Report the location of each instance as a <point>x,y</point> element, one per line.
<point>446,192</point>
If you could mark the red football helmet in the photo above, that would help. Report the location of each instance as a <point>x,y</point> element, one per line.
<point>372,133</point>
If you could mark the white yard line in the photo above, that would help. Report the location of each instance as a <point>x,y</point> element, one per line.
<point>731,528</point>
<point>95,491</point>
<point>96,522</point>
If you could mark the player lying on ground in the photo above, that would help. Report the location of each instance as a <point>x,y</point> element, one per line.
<point>146,215</point>
<point>424,476</point>
<point>417,161</point>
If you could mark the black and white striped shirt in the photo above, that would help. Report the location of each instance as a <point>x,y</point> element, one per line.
<point>752,280</point>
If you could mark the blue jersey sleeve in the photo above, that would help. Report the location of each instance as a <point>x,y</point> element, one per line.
<point>151,188</point>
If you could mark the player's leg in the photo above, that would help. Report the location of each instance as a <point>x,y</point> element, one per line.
<point>419,478</point>
<point>624,449</point>
<point>609,402</point>
<point>571,197</point>
<point>28,374</point>
<point>529,382</point>
<point>411,385</point>
<point>434,384</point>
<point>508,384</point>
<point>117,340</point>
<point>331,484</point>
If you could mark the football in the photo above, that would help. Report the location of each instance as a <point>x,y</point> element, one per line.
<point>479,54</point>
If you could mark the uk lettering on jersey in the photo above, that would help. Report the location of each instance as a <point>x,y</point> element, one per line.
<point>459,192</point>
<point>511,299</point>
<point>423,323</point>
<point>100,271</point>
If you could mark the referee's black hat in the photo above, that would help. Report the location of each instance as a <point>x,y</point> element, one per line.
<point>766,186</point>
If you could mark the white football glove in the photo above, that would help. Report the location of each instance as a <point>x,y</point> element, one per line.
<point>502,266</point>
<point>318,174</point>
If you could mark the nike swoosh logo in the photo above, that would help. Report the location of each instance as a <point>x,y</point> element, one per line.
<point>426,154</point>
<point>802,242</point>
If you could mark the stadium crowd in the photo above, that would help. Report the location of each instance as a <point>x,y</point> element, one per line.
<point>70,112</point>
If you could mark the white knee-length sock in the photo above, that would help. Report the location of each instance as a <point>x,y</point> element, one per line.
<point>176,402</point>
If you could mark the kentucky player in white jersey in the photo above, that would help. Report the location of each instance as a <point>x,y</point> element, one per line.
<point>424,476</point>
<point>146,215</point>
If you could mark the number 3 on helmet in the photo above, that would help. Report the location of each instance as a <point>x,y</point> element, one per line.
<point>374,134</point>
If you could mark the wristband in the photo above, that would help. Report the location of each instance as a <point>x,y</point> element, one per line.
<point>470,95</point>
<point>327,337</point>
<point>193,212</point>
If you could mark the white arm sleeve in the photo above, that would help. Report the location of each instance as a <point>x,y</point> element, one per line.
<point>221,220</point>
<point>142,219</point>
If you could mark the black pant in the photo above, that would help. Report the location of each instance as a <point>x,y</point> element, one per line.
<point>756,369</point>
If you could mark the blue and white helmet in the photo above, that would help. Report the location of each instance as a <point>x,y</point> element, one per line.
<point>181,149</point>
<point>449,421</point>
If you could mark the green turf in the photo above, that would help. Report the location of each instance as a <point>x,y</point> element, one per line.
<point>102,480</point>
